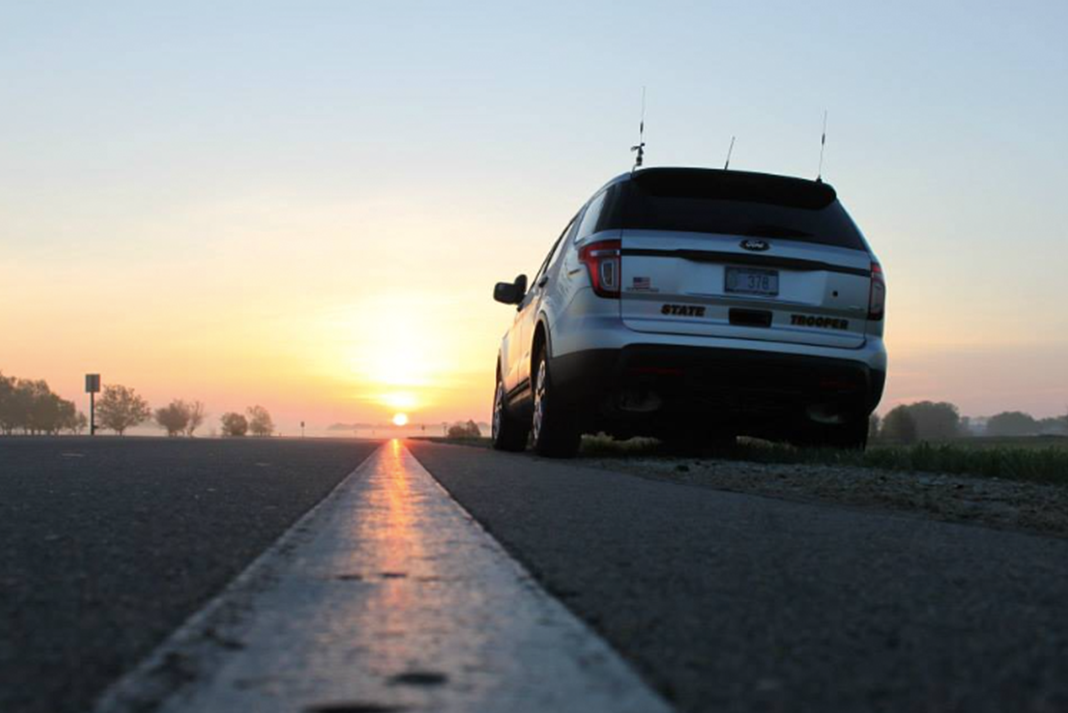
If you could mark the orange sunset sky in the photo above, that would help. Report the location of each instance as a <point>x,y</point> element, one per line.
<point>306,206</point>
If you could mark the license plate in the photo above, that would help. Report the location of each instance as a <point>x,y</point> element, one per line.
<point>747,281</point>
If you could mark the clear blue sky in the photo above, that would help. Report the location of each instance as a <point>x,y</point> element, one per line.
<point>284,146</point>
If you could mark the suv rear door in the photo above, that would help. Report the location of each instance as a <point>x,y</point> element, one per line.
<point>741,255</point>
<point>523,331</point>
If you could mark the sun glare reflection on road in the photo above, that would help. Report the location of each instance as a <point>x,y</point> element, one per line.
<point>399,548</point>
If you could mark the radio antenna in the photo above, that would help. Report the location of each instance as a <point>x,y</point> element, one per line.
<point>640,148</point>
<point>730,150</point>
<point>823,143</point>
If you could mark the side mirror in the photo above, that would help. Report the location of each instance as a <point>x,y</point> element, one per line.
<point>511,293</point>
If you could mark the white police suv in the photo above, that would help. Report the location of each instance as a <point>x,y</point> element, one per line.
<point>696,305</point>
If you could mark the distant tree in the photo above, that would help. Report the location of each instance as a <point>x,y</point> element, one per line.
<point>30,405</point>
<point>9,420</point>
<point>259,421</point>
<point>964,429</point>
<point>935,421</point>
<point>31,397</point>
<point>78,424</point>
<point>173,418</point>
<point>899,426</point>
<point>41,411</point>
<point>873,427</point>
<point>196,418</point>
<point>234,425</point>
<point>66,416</point>
<point>1052,426</point>
<point>464,430</point>
<point>1012,423</point>
<point>120,408</point>
<point>22,398</point>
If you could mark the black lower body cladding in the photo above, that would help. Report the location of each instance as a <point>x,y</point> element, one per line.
<point>653,389</point>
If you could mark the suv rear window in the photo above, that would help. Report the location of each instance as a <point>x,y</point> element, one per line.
<point>734,203</point>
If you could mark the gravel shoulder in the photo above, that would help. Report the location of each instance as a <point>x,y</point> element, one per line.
<point>738,602</point>
<point>1013,505</point>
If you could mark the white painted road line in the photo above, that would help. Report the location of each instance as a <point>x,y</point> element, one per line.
<point>388,596</point>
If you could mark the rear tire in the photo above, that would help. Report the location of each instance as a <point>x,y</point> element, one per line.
<point>555,433</point>
<point>509,433</point>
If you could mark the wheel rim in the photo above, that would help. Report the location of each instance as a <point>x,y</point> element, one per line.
<point>498,406</point>
<point>539,399</point>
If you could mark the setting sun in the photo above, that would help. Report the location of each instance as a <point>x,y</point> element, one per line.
<point>400,419</point>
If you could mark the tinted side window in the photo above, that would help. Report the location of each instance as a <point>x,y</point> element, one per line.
<point>590,218</point>
<point>553,251</point>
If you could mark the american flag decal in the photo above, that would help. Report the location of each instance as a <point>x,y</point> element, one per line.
<point>642,283</point>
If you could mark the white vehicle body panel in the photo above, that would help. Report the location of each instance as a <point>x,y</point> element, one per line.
<point>808,291</point>
<point>820,309</point>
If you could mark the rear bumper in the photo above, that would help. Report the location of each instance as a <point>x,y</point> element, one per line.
<point>751,390</point>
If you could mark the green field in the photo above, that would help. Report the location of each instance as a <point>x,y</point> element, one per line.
<point>1033,459</point>
<point>1025,442</point>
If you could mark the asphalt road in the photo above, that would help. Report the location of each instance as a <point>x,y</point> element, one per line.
<point>730,602</point>
<point>387,598</point>
<point>106,545</point>
<point>722,601</point>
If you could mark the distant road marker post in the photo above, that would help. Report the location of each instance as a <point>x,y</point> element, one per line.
<point>92,387</point>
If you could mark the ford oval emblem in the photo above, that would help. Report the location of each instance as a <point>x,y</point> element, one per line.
<point>758,246</point>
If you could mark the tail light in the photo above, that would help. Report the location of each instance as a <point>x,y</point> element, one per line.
<point>603,263</point>
<point>877,296</point>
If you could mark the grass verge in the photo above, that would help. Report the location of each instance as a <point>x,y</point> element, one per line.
<point>1046,463</point>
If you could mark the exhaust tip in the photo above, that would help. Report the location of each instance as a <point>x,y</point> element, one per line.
<point>638,401</point>
<point>825,413</point>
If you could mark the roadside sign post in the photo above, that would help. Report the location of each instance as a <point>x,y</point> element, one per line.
<point>92,387</point>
